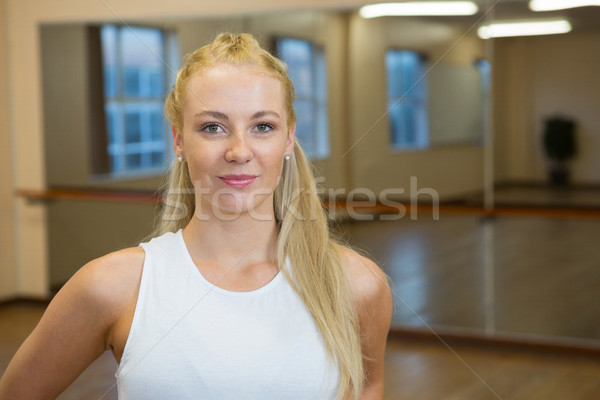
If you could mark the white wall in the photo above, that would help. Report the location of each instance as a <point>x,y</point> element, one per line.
<point>539,77</point>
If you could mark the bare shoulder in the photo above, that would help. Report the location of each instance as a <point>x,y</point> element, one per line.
<point>76,327</point>
<point>110,278</point>
<point>368,283</point>
<point>105,290</point>
<point>106,286</point>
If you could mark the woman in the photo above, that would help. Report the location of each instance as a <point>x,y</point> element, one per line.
<point>243,294</point>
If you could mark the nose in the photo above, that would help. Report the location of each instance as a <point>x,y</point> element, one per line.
<point>238,150</point>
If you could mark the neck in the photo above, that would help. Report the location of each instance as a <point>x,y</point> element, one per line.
<point>244,240</point>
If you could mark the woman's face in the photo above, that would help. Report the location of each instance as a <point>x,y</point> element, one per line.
<point>235,136</point>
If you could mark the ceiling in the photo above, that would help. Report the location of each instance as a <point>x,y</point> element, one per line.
<point>582,18</point>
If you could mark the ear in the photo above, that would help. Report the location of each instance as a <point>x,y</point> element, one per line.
<point>177,141</point>
<point>289,146</point>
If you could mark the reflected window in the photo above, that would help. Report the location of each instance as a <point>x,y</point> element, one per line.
<point>407,99</point>
<point>485,71</point>
<point>135,75</point>
<point>308,71</point>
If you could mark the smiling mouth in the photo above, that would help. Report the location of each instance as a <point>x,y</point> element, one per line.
<point>238,181</point>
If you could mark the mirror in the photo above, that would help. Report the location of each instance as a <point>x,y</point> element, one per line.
<point>508,275</point>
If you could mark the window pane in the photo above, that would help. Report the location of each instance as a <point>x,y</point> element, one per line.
<point>114,163</point>
<point>133,161</point>
<point>157,159</point>
<point>321,149</point>
<point>320,76</point>
<point>407,99</point>
<point>305,124</point>
<point>404,73</point>
<point>157,126</point>
<point>135,74</point>
<point>307,70</point>
<point>156,83</point>
<point>110,81</point>
<point>132,81</point>
<point>108,37</point>
<point>112,119</point>
<point>398,125</point>
<point>485,69</point>
<point>394,84</point>
<point>297,54</point>
<point>132,127</point>
<point>142,56</point>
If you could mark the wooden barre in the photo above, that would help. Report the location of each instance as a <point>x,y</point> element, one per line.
<point>360,207</point>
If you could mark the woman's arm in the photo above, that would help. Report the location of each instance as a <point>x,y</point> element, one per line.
<point>374,306</point>
<point>75,328</point>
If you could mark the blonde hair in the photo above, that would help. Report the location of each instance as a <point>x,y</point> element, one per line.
<point>317,272</point>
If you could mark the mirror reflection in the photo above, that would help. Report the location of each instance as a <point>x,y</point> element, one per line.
<point>397,114</point>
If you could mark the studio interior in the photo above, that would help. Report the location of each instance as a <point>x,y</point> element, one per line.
<point>463,157</point>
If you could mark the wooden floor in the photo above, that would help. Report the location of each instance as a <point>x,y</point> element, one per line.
<point>415,370</point>
<point>432,371</point>
<point>544,196</point>
<point>529,276</point>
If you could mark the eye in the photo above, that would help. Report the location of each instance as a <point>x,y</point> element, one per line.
<point>212,128</point>
<point>264,127</point>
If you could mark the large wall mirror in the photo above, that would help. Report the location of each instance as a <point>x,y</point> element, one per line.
<point>360,82</point>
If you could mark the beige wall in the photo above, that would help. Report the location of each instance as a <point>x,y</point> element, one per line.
<point>522,98</point>
<point>26,111</point>
<point>28,124</point>
<point>79,231</point>
<point>64,103</point>
<point>7,253</point>
<point>538,77</point>
<point>66,130</point>
<point>66,112</point>
<point>450,170</point>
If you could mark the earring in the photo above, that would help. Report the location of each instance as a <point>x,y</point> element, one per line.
<point>180,158</point>
<point>286,157</point>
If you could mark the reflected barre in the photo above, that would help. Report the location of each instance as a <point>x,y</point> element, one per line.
<point>42,195</point>
<point>342,209</point>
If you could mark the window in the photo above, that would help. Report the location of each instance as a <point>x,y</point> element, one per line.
<point>136,75</point>
<point>407,99</point>
<point>308,72</point>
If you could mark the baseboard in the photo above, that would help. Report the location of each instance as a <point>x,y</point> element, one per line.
<point>25,300</point>
<point>508,184</point>
<point>516,342</point>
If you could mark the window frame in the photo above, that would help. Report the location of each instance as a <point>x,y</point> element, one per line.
<point>170,60</point>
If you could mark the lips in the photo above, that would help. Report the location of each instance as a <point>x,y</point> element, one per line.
<point>238,181</point>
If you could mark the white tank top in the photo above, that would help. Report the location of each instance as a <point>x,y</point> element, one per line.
<point>190,339</point>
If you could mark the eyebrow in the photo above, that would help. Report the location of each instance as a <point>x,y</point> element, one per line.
<point>222,116</point>
<point>214,114</point>
<point>261,114</point>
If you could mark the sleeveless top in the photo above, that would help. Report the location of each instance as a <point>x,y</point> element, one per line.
<point>190,339</point>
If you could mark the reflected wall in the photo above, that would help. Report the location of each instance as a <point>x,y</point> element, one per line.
<point>526,87</point>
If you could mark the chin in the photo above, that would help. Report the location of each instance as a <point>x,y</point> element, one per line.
<point>241,206</point>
